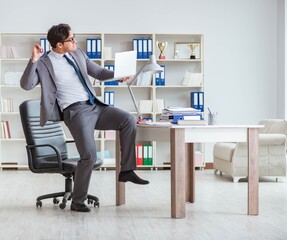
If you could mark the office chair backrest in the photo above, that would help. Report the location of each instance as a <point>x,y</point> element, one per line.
<point>51,133</point>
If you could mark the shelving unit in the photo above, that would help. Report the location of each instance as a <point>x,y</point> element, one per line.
<point>173,93</point>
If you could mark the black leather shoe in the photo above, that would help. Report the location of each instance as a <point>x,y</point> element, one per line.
<point>131,177</point>
<point>79,207</point>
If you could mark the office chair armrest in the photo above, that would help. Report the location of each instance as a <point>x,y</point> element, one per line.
<point>58,154</point>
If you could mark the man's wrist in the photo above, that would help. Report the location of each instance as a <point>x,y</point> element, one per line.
<point>34,59</point>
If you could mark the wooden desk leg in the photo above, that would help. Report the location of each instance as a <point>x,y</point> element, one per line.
<point>190,173</point>
<point>177,155</point>
<point>120,186</point>
<point>253,172</point>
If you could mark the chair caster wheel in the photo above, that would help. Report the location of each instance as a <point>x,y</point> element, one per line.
<point>56,200</point>
<point>38,204</point>
<point>90,201</point>
<point>62,205</point>
<point>96,204</point>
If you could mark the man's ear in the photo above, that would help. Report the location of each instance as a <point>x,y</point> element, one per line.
<point>59,45</point>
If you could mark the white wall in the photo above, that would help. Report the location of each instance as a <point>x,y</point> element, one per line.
<point>285,51</point>
<point>240,41</point>
<point>284,63</point>
<point>281,99</point>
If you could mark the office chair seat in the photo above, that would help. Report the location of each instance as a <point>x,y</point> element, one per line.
<point>69,165</point>
<point>47,152</point>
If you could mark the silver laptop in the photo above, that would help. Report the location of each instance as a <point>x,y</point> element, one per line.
<point>125,65</point>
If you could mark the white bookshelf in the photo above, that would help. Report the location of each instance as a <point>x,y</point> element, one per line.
<point>173,93</point>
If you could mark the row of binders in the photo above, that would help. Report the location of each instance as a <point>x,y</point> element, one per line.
<point>160,77</point>
<point>144,154</point>
<point>45,44</point>
<point>109,98</point>
<point>112,68</point>
<point>94,47</point>
<point>143,46</point>
<point>197,100</point>
<point>5,130</point>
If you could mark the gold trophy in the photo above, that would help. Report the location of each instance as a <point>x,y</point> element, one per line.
<point>162,46</point>
<point>193,46</point>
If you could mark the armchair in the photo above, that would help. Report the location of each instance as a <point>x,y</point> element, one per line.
<point>231,158</point>
<point>47,152</point>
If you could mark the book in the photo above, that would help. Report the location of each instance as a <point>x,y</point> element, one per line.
<point>145,106</point>
<point>6,104</point>
<point>158,105</point>
<point>192,79</point>
<point>186,116</point>
<point>139,154</point>
<point>5,130</point>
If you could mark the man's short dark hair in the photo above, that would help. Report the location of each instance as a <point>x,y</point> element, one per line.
<point>58,33</point>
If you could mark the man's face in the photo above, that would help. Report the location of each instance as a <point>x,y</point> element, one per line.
<point>69,45</point>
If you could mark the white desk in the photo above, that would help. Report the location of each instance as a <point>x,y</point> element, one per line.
<point>181,140</point>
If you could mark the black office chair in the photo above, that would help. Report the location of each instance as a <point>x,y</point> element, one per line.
<point>47,152</point>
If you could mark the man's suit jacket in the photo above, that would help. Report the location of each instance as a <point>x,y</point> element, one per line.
<point>42,72</point>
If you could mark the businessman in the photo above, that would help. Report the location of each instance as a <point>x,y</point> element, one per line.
<point>67,94</point>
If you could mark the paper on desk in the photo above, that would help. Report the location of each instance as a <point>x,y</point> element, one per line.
<point>179,110</point>
<point>155,123</point>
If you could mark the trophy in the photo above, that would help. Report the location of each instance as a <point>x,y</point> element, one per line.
<point>193,46</point>
<point>162,46</point>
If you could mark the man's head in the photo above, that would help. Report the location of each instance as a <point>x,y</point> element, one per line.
<point>61,38</point>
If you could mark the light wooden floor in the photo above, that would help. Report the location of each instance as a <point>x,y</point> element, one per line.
<point>219,211</point>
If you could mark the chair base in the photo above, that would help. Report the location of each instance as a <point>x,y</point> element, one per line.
<point>67,195</point>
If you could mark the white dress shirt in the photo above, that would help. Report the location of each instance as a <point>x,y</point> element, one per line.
<point>69,87</point>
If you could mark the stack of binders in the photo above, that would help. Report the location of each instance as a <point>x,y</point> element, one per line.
<point>182,116</point>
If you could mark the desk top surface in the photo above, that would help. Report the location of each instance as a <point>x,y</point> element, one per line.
<point>167,125</point>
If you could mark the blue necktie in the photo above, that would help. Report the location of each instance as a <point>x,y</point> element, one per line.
<point>91,96</point>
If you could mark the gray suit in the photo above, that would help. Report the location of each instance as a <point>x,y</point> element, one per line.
<point>83,118</point>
